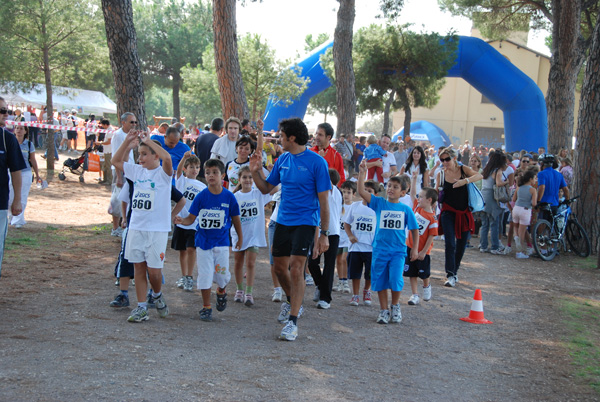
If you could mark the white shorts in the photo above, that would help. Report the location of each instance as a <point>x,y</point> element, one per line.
<point>146,246</point>
<point>213,266</point>
<point>64,135</point>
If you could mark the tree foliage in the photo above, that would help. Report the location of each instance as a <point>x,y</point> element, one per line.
<point>201,97</point>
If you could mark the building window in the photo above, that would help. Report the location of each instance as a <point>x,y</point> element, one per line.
<point>484,99</point>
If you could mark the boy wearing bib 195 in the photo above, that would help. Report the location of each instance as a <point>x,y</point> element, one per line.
<point>389,246</point>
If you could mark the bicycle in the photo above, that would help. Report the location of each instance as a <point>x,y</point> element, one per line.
<point>548,236</point>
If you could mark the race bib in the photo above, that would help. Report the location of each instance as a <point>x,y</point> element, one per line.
<point>393,220</point>
<point>364,224</point>
<point>211,219</point>
<point>143,200</point>
<point>249,210</point>
<point>422,223</point>
<point>190,193</point>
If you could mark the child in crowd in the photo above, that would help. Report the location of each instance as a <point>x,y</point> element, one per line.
<point>389,247</point>
<point>348,191</point>
<point>525,199</point>
<point>150,217</point>
<point>424,209</point>
<point>183,236</point>
<point>252,208</point>
<point>373,153</point>
<point>243,147</point>
<point>216,209</point>
<point>359,225</point>
<point>324,279</point>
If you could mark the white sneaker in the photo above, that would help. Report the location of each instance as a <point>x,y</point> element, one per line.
<point>530,251</point>
<point>180,282</point>
<point>450,282</point>
<point>289,332</point>
<point>323,305</point>
<point>317,295</point>
<point>414,300</point>
<point>284,313</point>
<point>239,296</point>
<point>517,242</point>
<point>484,250</point>
<point>522,255</point>
<point>427,293</point>
<point>507,250</point>
<point>498,251</point>
<point>383,317</point>
<point>338,287</point>
<point>277,295</point>
<point>346,288</point>
<point>396,313</point>
<point>309,280</point>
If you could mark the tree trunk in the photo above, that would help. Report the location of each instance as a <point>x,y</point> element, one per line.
<point>124,59</point>
<point>386,113</point>
<point>344,71</point>
<point>176,89</point>
<point>587,153</point>
<point>49,106</point>
<point>568,54</point>
<point>407,119</point>
<point>229,75</point>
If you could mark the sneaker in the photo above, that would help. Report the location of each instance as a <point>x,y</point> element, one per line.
<point>469,245</point>
<point>427,293</point>
<point>317,295</point>
<point>323,305</point>
<point>239,296</point>
<point>114,232</point>
<point>396,313</point>
<point>383,317</point>
<point>367,297</point>
<point>340,286</point>
<point>139,314</point>
<point>517,242</point>
<point>507,250</point>
<point>132,281</point>
<point>180,282</point>
<point>284,313</point>
<point>414,300</point>
<point>222,301</point>
<point>450,282</point>
<point>522,256</point>
<point>188,286</point>
<point>161,306</point>
<point>354,301</point>
<point>120,301</point>
<point>249,300</point>
<point>118,282</point>
<point>309,280</point>
<point>346,288</point>
<point>150,301</point>
<point>289,332</point>
<point>337,286</point>
<point>484,250</point>
<point>498,251</point>
<point>277,295</point>
<point>529,251</point>
<point>206,314</point>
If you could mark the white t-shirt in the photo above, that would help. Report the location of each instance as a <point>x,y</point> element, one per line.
<point>388,162</point>
<point>363,221</point>
<point>108,136</point>
<point>335,211</point>
<point>223,149</point>
<point>118,139</point>
<point>344,240</point>
<point>151,202</point>
<point>190,189</point>
<point>409,171</point>
<point>252,215</point>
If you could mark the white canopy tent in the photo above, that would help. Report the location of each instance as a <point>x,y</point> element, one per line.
<point>85,101</point>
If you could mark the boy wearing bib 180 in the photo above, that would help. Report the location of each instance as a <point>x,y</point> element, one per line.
<point>389,246</point>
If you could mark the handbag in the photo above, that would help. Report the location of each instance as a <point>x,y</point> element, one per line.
<point>501,193</point>
<point>476,201</point>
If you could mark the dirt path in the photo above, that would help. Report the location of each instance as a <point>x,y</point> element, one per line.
<point>59,340</point>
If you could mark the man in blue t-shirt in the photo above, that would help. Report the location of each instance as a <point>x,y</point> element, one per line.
<point>11,159</point>
<point>170,142</point>
<point>305,186</point>
<point>549,183</point>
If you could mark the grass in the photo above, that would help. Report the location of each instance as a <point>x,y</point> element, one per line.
<point>583,322</point>
<point>590,262</point>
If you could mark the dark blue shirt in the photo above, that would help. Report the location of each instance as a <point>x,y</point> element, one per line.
<point>10,158</point>
<point>176,152</point>
<point>214,212</point>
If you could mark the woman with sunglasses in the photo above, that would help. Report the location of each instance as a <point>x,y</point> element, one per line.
<point>456,219</point>
<point>28,151</point>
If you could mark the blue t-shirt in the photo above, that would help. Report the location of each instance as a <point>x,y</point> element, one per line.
<point>392,220</point>
<point>302,177</point>
<point>176,152</point>
<point>361,148</point>
<point>10,158</point>
<point>214,212</point>
<point>553,181</point>
<point>374,151</point>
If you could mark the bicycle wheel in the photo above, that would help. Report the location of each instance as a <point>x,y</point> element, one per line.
<point>578,239</point>
<point>544,241</point>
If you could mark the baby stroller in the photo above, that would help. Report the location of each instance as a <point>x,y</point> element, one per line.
<point>77,166</point>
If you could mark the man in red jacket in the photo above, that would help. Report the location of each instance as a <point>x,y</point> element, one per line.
<point>322,141</point>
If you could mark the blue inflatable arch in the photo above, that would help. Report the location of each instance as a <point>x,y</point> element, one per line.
<point>435,135</point>
<point>478,63</point>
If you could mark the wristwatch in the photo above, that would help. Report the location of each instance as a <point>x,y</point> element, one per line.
<point>324,232</point>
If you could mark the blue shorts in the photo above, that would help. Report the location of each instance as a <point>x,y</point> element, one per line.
<point>386,271</point>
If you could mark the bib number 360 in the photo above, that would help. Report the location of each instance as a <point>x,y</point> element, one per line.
<point>143,200</point>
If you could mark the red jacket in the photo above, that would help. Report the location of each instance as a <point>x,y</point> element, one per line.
<point>334,161</point>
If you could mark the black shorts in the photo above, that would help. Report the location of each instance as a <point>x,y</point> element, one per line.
<point>72,135</point>
<point>183,239</point>
<point>292,240</point>
<point>123,268</point>
<point>356,261</point>
<point>90,137</point>
<point>417,268</point>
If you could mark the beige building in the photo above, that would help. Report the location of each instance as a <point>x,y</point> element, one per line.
<point>465,114</point>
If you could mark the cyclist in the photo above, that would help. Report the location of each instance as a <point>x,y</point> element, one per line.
<point>550,182</point>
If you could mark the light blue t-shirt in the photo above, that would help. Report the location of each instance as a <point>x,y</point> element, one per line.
<point>553,181</point>
<point>374,151</point>
<point>302,177</point>
<point>392,220</point>
<point>214,212</point>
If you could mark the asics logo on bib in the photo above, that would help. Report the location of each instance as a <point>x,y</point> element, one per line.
<point>364,218</point>
<point>393,215</point>
<point>141,195</point>
<point>211,215</point>
<point>248,204</point>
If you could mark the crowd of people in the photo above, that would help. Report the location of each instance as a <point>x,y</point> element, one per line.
<point>370,208</point>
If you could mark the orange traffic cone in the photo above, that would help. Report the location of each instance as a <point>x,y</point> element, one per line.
<point>476,313</point>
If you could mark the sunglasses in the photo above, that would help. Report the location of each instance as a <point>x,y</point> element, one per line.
<point>133,122</point>
<point>4,111</point>
<point>448,159</point>
<point>524,161</point>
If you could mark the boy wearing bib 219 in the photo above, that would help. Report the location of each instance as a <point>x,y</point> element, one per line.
<point>389,246</point>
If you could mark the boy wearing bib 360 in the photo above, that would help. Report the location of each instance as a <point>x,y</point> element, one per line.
<point>216,209</point>
<point>389,246</point>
